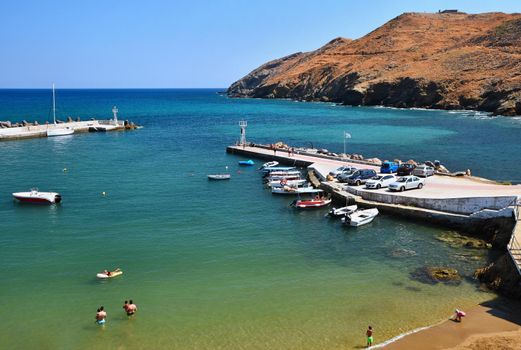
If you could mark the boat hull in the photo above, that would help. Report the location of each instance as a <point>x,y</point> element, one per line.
<point>38,197</point>
<point>60,132</point>
<point>219,177</point>
<point>312,204</point>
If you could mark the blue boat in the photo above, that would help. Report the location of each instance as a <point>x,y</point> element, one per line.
<point>247,162</point>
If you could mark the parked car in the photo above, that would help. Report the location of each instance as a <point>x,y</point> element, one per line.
<point>407,183</point>
<point>344,176</point>
<point>343,169</point>
<point>380,181</point>
<point>389,167</point>
<point>423,170</point>
<point>360,176</point>
<point>405,169</point>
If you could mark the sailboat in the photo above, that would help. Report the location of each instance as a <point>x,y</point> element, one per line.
<point>57,131</point>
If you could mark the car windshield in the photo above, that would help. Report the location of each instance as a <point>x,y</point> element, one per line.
<point>385,165</point>
<point>403,179</point>
<point>377,177</point>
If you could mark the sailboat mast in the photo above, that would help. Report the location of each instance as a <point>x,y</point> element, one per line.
<point>53,105</point>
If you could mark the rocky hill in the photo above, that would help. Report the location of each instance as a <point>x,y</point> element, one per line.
<point>433,60</point>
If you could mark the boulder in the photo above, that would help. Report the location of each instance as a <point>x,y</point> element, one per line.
<point>78,119</point>
<point>433,275</point>
<point>410,161</point>
<point>442,169</point>
<point>397,161</point>
<point>456,240</point>
<point>329,178</point>
<point>69,120</point>
<point>36,122</point>
<point>375,161</point>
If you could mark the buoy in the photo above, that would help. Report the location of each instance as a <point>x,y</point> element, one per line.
<point>103,193</point>
<point>65,169</point>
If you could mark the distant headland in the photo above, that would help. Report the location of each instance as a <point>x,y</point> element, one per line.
<point>445,60</point>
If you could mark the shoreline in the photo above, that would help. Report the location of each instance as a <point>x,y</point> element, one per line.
<point>485,325</point>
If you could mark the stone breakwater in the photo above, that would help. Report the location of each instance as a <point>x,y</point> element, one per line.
<point>24,129</point>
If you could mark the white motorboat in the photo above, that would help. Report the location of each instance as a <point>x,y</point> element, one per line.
<point>286,182</point>
<point>294,190</point>
<point>219,176</point>
<point>35,196</point>
<point>343,210</point>
<point>57,130</point>
<point>272,169</point>
<point>360,217</point>
<point>271,164</point>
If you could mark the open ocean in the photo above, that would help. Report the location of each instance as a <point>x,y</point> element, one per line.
<point>221,265</point>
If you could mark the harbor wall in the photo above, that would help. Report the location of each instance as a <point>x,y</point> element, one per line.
<point>462,205</point>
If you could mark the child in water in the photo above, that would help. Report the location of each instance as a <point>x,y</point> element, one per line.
<point>101,316</point>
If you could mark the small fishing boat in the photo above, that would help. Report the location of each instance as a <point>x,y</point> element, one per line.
<point>360,217</point>
<point>35,196</point>
<point>281,174</point>
<point>312,203</point>
<point>219,177</point>
<point>271,164</point>
<point>248,162</point>
<point>295,190</point>
<point>342,211</point>
<point>109,274</point>
<point>269,170</point>
<point>287,182</point>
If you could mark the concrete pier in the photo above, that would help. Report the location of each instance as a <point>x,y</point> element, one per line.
<point>33,131</point>
<point>444,200</point>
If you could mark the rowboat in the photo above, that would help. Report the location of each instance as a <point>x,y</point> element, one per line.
<point>219,177</point>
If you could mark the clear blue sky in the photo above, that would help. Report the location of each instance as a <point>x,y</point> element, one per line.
<point>168,43</point>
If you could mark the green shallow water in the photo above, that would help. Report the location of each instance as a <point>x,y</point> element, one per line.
<point>211,265</point>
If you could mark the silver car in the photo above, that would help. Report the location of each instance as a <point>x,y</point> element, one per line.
<point>423,170</point>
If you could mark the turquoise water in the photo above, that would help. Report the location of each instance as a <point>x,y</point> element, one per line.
<point>218,264</point>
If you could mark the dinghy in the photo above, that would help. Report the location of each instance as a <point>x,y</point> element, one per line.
<point>360,217</point>
<point>342,211</point>
<point>271,164</point>
<point>248,162</point>
<point>312,203</point>
<point>219,176</point>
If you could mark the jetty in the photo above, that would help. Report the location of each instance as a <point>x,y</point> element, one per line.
<point>455,201</point>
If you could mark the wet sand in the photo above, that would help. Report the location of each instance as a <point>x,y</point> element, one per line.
<point>492,325</point>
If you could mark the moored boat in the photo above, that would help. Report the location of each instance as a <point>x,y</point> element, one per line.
<point>343,210</point>
<point>295,190</point>
<point>35,196</point>
<point>360,217</point>
<point>270,170</point>
<point>248,162</point>
<point>312,203</point>
<point>57,130</point>
<point>287,182</point>
<point>219,176</point>
<point>271,164</point>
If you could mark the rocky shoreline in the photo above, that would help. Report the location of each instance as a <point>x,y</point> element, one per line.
<point>437,61</point>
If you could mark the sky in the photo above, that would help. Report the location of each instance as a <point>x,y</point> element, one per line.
<point>180,44</point>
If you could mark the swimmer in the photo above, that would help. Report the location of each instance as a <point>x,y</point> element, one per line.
<point>101,316</point>
<point>131,308</point>
<point>125,307</point>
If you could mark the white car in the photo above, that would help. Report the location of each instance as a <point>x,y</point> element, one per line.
<point>343,169</point>
<point>380,181</point>
<point>407,183</point>
<point>423,170</point>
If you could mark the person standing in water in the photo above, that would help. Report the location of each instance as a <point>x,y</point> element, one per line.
<point>369,334</point>
<point>101,316</point>
<point>131,308</point>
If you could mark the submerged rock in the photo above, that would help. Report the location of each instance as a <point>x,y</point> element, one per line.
<point>456,240</point>
<point>433,275</point>
<point>401,253</point>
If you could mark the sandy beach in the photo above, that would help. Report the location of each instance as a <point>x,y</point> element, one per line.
<point>492,325</point>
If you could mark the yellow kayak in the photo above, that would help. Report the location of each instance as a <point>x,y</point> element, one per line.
<point>112,274</point>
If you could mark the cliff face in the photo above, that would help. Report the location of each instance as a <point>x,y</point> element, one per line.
<point>447,61</point>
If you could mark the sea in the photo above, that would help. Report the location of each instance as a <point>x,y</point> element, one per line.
<point>224,264</point>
